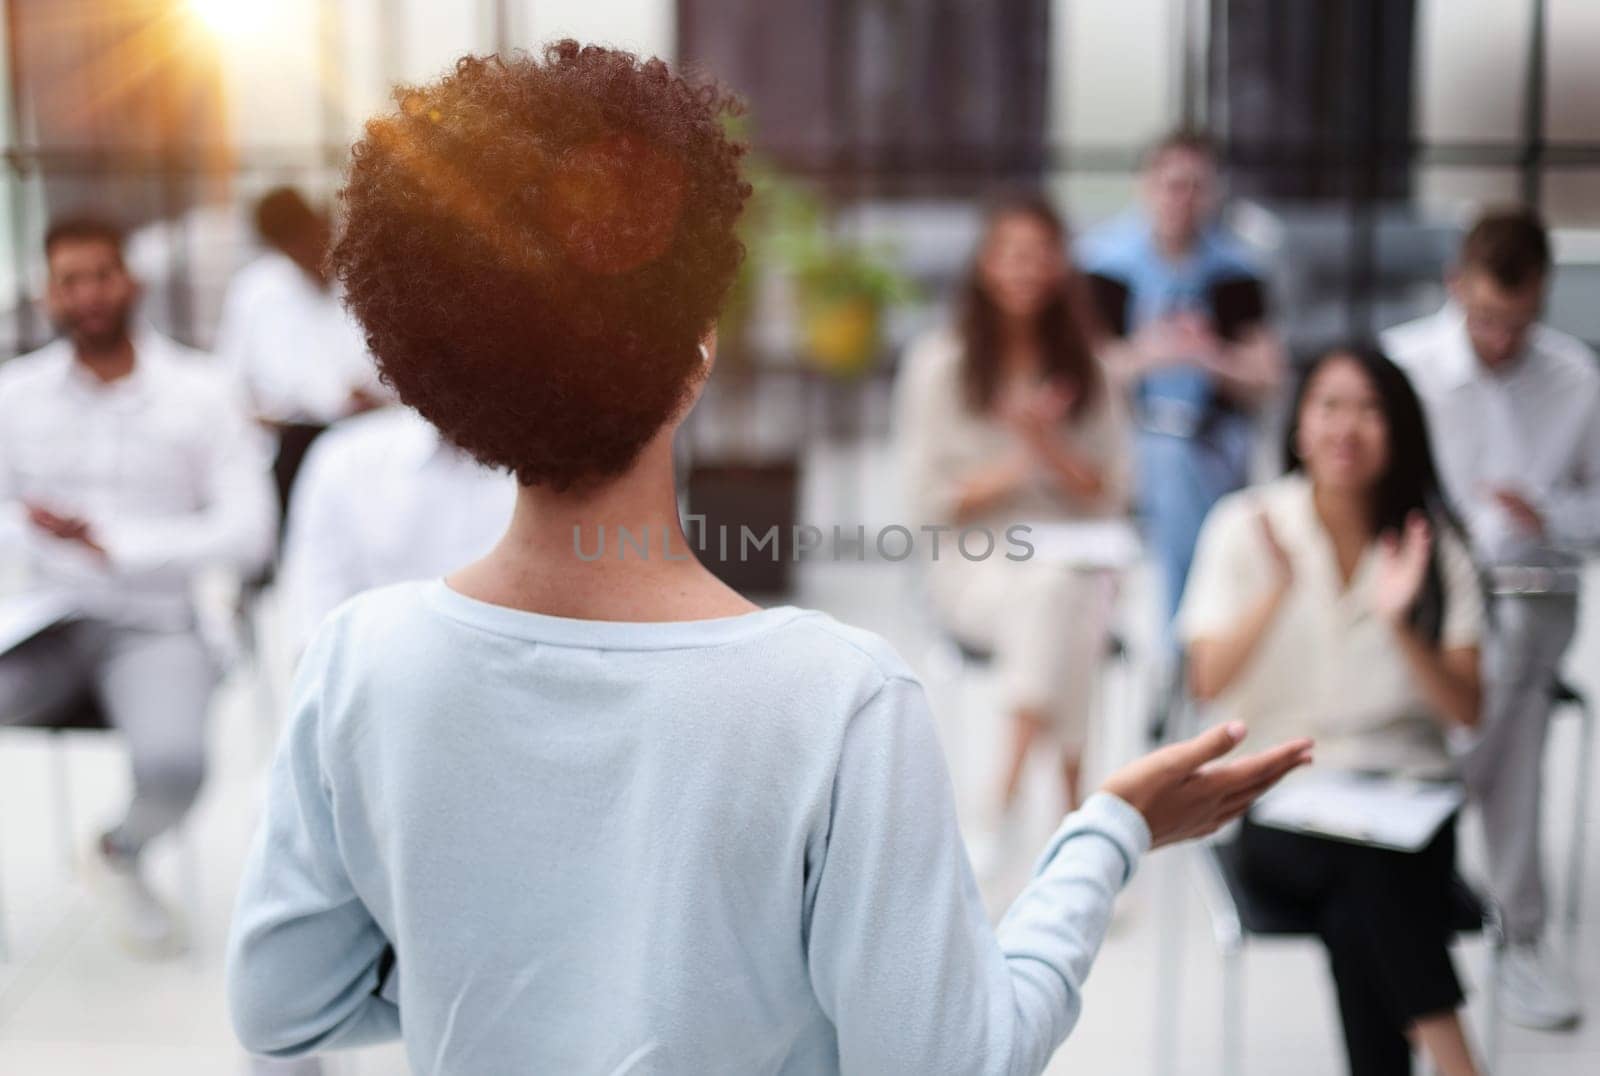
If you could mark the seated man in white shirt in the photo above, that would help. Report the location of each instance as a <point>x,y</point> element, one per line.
<point>126,466</point>
<point>384,499</point>
<point>1514,408</point>
<point>286,335</point>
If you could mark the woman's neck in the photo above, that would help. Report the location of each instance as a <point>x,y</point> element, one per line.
<point>613,553</point>
<point>1347,517</point>
<point>1343,512</point>
<point>1019,347</point>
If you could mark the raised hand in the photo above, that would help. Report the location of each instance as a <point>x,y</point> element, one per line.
<point>1402,566</point>
<point>1180,338</point>
<point>1034,413</point>
<point>1053,400</point>
<point>1183,791</point>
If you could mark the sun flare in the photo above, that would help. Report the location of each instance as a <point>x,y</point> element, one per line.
<point>228,18</point>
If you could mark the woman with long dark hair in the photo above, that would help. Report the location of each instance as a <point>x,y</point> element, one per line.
<point>1339,601</point>
<point>1007,418</point>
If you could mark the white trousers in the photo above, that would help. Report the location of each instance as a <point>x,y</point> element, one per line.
<point>1046,624</point>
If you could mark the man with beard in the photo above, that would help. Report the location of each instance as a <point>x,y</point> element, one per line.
<point>127,465</point>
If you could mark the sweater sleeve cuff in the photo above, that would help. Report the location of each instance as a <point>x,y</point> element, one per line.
<point>1109,818</point>
<point>132,549</point>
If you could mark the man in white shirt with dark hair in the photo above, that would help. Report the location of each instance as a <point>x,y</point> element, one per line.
<point>284,331</point>
<point>1514,410</point>
<point>127,466</point>
<point>285,334</point>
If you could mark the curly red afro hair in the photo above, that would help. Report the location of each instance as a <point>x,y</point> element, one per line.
<point>535,247</point>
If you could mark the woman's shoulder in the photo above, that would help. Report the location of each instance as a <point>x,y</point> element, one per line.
<point>355,623</point>
<point>928,379</point>
<point>840,650</point>
<point>1277,497</point>
<point>936,348</point>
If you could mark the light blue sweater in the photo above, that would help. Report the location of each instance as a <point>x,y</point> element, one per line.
<point>716,846</point>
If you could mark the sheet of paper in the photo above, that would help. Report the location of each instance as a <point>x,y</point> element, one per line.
<point>22,616</point>
<point>1389,812</point>
<point>1099,543</point>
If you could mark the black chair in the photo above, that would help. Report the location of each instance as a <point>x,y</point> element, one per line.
<point>1239,912</point>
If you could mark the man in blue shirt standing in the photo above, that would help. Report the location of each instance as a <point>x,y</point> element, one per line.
<point>1187,307</point>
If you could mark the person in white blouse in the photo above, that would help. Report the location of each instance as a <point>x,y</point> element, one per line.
<point>381,499</point>
<point>1337,602</point>
<point>1008,417</point>
<point>1514,406</point>
<point>286,335</point>
<point>127,464</point>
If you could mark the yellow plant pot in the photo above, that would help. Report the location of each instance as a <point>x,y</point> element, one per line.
<point>841,335</point>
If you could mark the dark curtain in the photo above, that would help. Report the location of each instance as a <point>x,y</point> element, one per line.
<point>882,97</point>
<point>1317,96</point>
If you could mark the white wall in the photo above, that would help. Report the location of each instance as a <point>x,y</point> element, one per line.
<point>1114,80</point>
<point>648,27</point>
<point>1472,64</point>
<point>1113,84</point>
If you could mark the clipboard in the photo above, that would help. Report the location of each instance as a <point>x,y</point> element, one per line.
<point>1089,543</point>
<point>26,615</point>
<point>1379,810</point>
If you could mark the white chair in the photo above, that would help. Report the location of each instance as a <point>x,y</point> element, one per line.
<point>82,720</point>
<point>1568,699</point>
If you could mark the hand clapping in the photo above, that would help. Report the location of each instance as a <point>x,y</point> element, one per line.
<point>1033,411</point>
<point>1402,567</point>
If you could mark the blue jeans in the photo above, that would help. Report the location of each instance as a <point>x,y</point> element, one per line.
<point>1180,478</point>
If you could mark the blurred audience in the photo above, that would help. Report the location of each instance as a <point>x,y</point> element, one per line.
<point>302,359</point>
<point>127,465</point>
<point>1337,602</point>
<point>1515,410</point>
<point>384,499</point>
<point>1008,417</point>
<point>1195,350</point>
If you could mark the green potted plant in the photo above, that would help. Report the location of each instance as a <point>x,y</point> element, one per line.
<point>842,288</point>
<point>840,291</point>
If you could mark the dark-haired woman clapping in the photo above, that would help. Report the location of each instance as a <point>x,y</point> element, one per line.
<point>1338,601</point>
